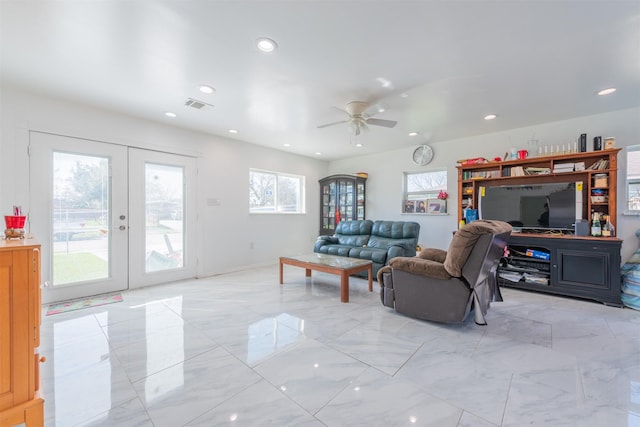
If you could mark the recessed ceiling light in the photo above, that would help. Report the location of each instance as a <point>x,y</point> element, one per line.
<point>233,131</point>
<point>287,145</point>
<point>490,116</point>
<point>318,153</point>
<point>359,144</point>
<point>413,134</point>
<point>607,91</point>
<point>404,95</point>
<point>266,45</point>
<point>206,89</point>
<point>384,82</point>
<point>170,114</point>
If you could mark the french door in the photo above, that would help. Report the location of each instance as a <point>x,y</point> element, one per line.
<point>109,217</point>
<point>162,242</point>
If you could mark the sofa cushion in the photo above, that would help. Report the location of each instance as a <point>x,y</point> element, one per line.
<point>404,234</point>
<point>373,254</point>
<point>377,242</point>
<point>340,250</point>
<point>353,233</point>
<point>362,226</point>
<point>396,229</point>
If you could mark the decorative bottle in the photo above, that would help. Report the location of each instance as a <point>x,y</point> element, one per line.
<point>607,229</point>
<point>596,230</point>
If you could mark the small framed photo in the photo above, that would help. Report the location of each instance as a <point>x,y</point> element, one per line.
<point>409,206</point>
<point>436,206</point>
<point>609,143</point>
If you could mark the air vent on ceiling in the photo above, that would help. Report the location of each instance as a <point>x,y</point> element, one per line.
<point>198,105</point>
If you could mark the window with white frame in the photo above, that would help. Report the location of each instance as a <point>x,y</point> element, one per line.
<point>275,192</point>
<point>633,179</point>
<point>425,192</point>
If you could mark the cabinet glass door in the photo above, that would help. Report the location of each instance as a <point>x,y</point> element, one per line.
<point>328,207</point>
<point>346,200</point>
<point>360,201</point>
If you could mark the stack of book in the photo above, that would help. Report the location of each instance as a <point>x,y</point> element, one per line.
<point>537,171</point>
<point>599,165</point>
<point>513,171</point>
<point>563,167</point>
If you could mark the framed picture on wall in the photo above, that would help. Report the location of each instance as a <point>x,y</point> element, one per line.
<point>436,206</point>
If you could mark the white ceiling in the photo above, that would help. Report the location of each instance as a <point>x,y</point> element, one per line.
<point>529,62</point>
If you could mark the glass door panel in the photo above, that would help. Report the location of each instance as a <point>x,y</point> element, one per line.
<point>164,227</point>
<point>81,212</point>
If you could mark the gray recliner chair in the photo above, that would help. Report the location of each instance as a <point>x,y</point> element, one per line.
<point>444,286</point>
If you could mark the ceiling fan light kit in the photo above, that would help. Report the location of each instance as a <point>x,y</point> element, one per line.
<point>359,120</point>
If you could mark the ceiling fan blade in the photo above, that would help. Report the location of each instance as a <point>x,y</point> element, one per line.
<point>333,124</point>
<point>382,122</point>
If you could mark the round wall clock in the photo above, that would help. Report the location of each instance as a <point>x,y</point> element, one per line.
<point>422,155</point>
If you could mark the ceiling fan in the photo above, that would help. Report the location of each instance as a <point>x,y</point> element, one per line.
<point>358,118</point>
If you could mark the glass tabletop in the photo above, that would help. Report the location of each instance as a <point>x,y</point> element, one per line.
<point>330,260</point>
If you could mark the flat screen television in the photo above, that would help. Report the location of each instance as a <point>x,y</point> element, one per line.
<point>537,206</point>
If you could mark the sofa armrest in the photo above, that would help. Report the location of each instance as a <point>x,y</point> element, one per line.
<point>395,251</point>
<point>399,249</point>
<point>421,267</point>
<point>433,254</point>
<point>324,240</point>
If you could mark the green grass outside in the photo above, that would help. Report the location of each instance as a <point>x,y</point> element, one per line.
<point>76,267</point>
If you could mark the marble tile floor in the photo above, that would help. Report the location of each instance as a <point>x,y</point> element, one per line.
<point>240,350</point>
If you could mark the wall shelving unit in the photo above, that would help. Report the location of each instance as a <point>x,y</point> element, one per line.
<point>578,266</point>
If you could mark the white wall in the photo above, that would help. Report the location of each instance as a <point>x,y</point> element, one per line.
<point>384,185</point>
<point>226,232</point>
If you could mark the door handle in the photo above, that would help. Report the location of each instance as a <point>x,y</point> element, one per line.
<point>122,227</point>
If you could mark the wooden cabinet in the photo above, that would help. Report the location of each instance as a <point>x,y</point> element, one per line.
<point>20,333</point>
<point>598,178</point>
<point>584,267</point>
<point>342,198</point>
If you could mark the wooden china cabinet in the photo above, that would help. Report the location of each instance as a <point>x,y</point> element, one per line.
<point>20,400</point>
<point>342,198</point>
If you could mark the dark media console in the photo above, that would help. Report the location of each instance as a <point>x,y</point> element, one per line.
<point>583,267</point>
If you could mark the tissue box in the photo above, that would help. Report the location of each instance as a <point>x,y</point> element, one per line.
<point>537,254</point>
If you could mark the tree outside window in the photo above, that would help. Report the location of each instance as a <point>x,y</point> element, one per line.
<point>273,192</point>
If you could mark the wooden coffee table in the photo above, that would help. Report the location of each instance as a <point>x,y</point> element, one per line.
<point>342,266</point>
